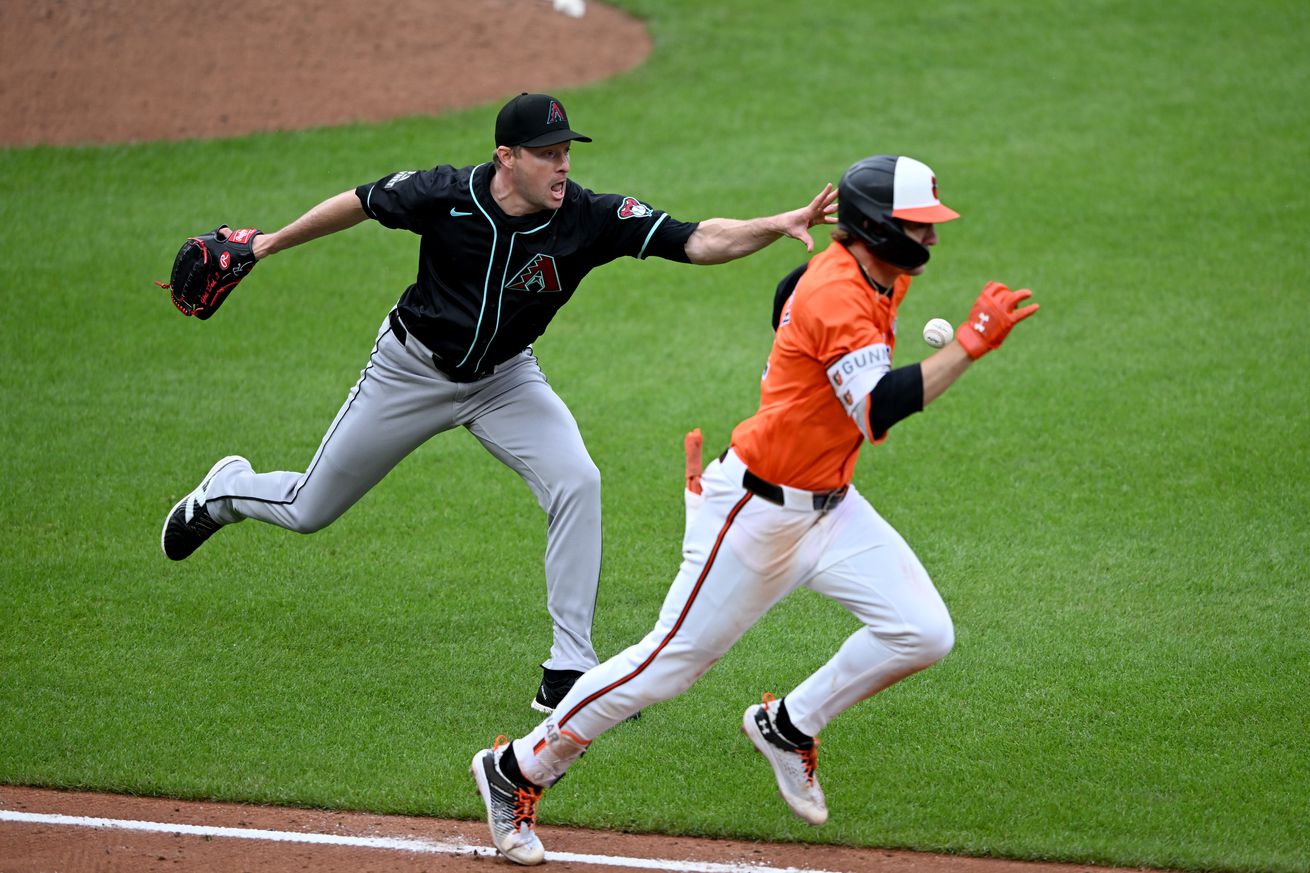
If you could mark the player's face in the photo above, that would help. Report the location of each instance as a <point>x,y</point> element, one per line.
<point>924,234</point>
<point>540,175</point>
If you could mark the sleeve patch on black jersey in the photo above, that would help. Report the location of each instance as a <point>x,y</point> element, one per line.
<point>631,207</point>
<point>398,177</point>
<point>538,277</point>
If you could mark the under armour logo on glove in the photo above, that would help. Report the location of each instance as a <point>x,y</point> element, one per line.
<point>992,317</point>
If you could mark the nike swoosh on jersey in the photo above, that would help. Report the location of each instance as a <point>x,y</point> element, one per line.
<point>455,213</point>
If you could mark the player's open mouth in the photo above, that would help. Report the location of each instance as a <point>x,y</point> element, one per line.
<point>558,188</point>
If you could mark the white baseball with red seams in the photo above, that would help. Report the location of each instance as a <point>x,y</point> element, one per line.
<point>938,332</point>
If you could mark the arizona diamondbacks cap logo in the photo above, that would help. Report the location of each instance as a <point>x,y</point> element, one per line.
<point>634,208</point>
<point>538,277</point>
<point>556,114</point>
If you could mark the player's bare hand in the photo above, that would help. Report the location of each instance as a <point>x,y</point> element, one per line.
<point>821,210</point>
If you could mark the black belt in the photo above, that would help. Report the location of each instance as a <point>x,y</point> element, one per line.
<point>455,374</point>
<point>823,500</point>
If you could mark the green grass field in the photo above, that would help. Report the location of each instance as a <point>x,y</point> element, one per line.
<point>1114,506</point>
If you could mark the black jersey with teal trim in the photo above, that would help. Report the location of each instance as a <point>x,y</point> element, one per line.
<point>488,283</point>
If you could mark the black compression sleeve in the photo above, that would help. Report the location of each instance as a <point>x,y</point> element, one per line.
<point>785,287</point>
<point>897,395</point>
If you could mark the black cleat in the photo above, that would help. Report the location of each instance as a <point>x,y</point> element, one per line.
<point>188,523</point>
<point>555,685</point>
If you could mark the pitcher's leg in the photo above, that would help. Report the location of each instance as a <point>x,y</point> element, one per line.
<point>394,407</point>
<point>529,429</point>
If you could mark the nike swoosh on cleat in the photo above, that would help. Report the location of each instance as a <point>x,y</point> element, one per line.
<point>455,213</point>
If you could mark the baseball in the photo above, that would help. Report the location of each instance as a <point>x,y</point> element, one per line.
<point>938,332</point>
<point>572,8</point>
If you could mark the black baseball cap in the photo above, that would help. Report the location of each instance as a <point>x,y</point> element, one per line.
<point>534,120</point>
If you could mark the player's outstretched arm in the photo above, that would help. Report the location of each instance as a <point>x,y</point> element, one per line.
<point>719,240</point>
<point>334,214</point>
<point>941,369</point>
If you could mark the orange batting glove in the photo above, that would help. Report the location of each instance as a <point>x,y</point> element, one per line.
<point>691,444</point>
<point>991,318</point>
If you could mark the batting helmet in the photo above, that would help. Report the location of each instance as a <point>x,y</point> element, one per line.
<point>879,192</point>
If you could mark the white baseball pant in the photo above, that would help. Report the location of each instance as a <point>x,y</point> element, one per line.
<point>741,555</point>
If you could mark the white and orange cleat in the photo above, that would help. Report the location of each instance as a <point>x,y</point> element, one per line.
<point>794,767</point>
<point>511,808</point>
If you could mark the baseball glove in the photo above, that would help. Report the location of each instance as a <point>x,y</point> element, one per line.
<point>208,267</point>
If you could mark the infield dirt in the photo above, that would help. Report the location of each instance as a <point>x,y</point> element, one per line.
<point>103,71</point>
<point>48,848</point>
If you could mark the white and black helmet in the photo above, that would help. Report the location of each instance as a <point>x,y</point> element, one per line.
<point>879,192</point>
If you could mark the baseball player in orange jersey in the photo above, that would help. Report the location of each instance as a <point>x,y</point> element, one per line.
<point>777,511</point>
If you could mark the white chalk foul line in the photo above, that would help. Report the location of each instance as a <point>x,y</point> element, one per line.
<point>397,843</point>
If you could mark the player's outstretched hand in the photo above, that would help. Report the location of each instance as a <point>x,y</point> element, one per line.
<point>994,313</point>
<point>821,210</point>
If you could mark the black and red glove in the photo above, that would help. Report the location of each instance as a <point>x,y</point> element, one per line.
<point>208,267</point>
<point>992,317</point>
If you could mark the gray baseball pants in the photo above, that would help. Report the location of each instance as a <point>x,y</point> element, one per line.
<point>400,401</point>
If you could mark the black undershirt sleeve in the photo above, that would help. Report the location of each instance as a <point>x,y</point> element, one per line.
<point>785,287</point>
<point>898,395</point>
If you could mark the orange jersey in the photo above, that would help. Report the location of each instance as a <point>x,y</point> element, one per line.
<point>834,342</point>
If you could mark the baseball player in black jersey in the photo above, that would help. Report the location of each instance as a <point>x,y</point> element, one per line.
<point>502,246</point>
